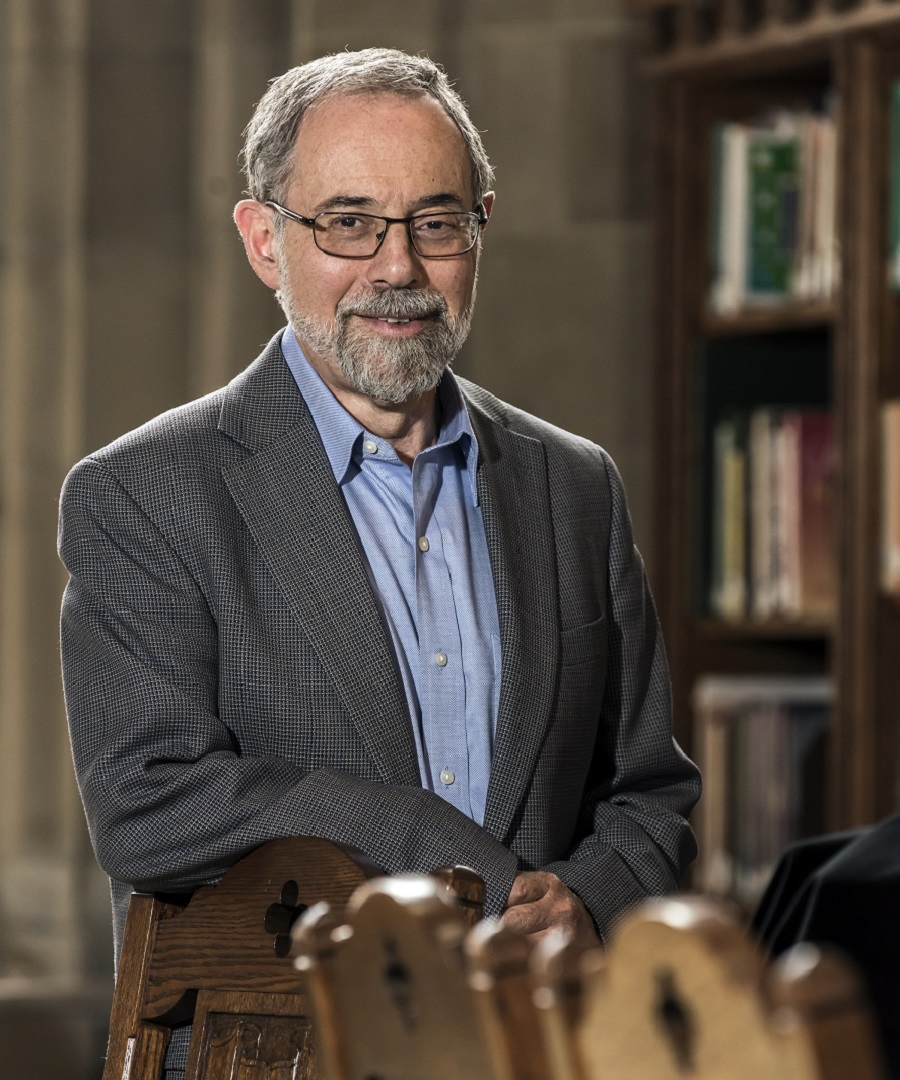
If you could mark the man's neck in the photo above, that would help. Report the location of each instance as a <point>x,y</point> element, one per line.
<point>410,427</point>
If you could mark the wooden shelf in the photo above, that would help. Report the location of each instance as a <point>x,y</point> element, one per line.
<point>730,34</point>
<point>709,629</point>
<point>764,320</point>
<point>712,67</point>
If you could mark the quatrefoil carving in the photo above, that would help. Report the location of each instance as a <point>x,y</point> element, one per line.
<point>282,915</point>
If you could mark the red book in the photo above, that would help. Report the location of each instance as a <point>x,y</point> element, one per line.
<point>810,564</point>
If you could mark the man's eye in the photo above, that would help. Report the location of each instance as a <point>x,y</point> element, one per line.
<point>434,225</point>
<point>349,223</point>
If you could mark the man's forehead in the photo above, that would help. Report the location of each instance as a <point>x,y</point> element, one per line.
<point>359,141</point>
<point>365,102</point>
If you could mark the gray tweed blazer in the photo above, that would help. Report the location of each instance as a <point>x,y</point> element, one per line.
<point>229,678</point>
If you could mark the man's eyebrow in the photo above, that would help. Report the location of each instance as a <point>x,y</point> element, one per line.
<point>441,198</point>
<point>365,202</point>
<point>339,201</point>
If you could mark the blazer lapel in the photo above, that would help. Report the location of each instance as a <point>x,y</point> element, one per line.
<point>514,494</point>
<point>286,493</point>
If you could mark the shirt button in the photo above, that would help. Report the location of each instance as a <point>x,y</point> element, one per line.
<point>370,447</point>
<point>447,776</point>
<point>423,543</point>
<point>440,658</point>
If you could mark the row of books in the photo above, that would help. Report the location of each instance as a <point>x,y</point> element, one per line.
<point>773,228</point>
<point>773,515</point>
<point>761,744</point>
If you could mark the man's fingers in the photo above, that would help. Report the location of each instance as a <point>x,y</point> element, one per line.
<point>528,886</point>
<point>527,918</point>
<point>539,901</point>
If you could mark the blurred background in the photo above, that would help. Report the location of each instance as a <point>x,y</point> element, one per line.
<point>124,291</point>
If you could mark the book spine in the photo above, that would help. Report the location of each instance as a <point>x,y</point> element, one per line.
<point>761,742</point>
<point>728,580</point>
<point>772,194</point>
<point>890,497</point>
<point>817,564</point>
<point>894,188</point>
<point>762,508</point>
<point>729,288</point>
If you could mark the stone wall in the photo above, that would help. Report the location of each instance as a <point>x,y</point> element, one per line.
<point>124,291</point>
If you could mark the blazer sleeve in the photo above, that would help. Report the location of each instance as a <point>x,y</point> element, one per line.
<point>170,801</point>
<point>634,839</point>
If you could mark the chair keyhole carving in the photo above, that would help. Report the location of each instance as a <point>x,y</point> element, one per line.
<point>675,1019</point>
<point>399,984</point>
<point>282,915</point>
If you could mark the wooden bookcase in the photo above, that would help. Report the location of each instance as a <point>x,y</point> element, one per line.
<point>720,60</point>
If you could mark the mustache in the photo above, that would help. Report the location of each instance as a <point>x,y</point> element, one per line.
<point>394,304</point>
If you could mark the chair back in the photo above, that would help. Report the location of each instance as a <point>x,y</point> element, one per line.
<point>221,962</point>
<point>684,992</point>
<point>389,985</point>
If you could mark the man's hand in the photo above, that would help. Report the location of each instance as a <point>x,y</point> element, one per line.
<point>539,901</point>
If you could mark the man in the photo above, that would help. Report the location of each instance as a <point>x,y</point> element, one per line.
<point>353,596</point>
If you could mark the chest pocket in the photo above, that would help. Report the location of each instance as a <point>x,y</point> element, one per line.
<point>583,644</point>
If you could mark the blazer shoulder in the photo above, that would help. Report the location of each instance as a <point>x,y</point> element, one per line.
<point>168,476</point>
<point>188,438</point>
<point>178,435</point>
<point>564,448</point>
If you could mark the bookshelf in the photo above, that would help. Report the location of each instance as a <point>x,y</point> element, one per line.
<point>715,62</point>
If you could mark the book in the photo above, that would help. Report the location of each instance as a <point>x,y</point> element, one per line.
<point>894,190</point>
<point>729,285</point>
<point>728,598</point>
<point>773,201</point>
<point>763,507</point>
<point>761,744</point>
<point>806,475</point>
<point>826,238</point>
<point>890,496</point>
<point>772,525</point>
<point>773,163</point>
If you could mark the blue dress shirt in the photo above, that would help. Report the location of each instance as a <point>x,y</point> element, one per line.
<point>422,537</point>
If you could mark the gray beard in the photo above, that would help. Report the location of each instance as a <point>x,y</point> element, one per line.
<point>392,371</point>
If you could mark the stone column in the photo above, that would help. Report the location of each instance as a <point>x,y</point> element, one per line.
<point>239,47</point>
<point>42,305</point>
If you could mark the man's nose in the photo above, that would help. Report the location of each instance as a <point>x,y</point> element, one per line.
<point>396,262</point>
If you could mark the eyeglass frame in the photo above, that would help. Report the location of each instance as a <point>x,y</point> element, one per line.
<point>480,212</point>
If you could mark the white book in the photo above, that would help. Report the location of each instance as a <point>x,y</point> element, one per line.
<point>729,289</point>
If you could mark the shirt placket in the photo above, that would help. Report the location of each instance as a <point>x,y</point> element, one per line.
<point>440,645</point>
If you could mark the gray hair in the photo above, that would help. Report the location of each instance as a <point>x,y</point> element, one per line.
<point>269,137</point>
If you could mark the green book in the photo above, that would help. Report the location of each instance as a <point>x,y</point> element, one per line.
<point>773,164</point>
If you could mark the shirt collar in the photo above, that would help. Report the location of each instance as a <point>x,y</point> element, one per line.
<point>342,435</point>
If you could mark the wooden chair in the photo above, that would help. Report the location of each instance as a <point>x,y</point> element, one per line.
<point>221,961</point>
<point>400,989</point>
<point>501,981</point>
<point>389,985</point>
<point>684,992</point>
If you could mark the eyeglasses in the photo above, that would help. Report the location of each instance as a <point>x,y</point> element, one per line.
<point>349,235</point>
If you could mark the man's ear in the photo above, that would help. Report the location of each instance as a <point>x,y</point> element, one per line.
<point>488,202</point>
<point>257,229</point>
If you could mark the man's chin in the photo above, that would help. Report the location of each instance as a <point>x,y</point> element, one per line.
<point>393,390</point>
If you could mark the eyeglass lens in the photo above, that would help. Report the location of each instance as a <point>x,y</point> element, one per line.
<point>433,235</point>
